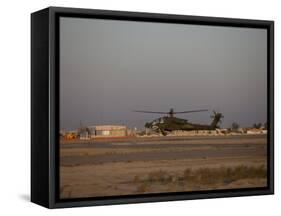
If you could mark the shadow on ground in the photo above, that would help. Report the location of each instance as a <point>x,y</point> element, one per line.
<point>25,197</point>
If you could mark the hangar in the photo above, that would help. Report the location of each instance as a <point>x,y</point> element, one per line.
<point>108,131</point>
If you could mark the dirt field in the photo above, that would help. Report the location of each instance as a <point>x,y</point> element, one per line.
<point>163,164</point>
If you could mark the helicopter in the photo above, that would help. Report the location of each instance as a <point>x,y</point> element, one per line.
<point>169,122</point>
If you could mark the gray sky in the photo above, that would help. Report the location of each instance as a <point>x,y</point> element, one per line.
<point>109,68</point>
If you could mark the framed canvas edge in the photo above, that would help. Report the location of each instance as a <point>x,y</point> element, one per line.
<point>39,188</point>
<point>53,115</point>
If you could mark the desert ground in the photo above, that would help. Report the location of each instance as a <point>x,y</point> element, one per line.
<point>129,166</point>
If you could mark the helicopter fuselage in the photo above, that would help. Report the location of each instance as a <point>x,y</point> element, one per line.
<point>168,124</point>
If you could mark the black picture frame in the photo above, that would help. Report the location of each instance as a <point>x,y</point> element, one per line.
<point>45,106</point>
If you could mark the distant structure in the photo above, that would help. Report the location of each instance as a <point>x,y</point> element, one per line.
<point>99,131</point>
<point>257,131</point>
<point>109,131</point>
<point>84,133</point>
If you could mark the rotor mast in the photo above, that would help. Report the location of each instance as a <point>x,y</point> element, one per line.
<point>171,113</point>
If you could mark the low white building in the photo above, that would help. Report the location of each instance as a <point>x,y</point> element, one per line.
<point>109,131</point>
<point>193,133</point>
<point>256,131</point>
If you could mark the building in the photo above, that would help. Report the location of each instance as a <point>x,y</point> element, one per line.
<point>256,131</point>
<point>84,133</point>
<point>109,131</point>
<point>193,133</point>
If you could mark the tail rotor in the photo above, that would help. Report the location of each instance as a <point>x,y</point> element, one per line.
<point>217,116</point>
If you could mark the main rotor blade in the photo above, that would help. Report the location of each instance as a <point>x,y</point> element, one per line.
<point>143,111</point>
<point>191,111</point>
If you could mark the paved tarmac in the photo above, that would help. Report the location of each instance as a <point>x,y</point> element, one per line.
<point>193,147</point>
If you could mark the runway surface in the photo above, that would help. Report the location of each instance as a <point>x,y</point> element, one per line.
<point>167,149</point>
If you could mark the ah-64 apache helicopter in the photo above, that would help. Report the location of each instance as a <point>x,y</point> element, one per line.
<point>171,123</point>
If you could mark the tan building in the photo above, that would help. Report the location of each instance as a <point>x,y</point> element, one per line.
<point>256,131</point>
<point>109,131</point>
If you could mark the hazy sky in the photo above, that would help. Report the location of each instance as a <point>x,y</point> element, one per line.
<point>109,68</point>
